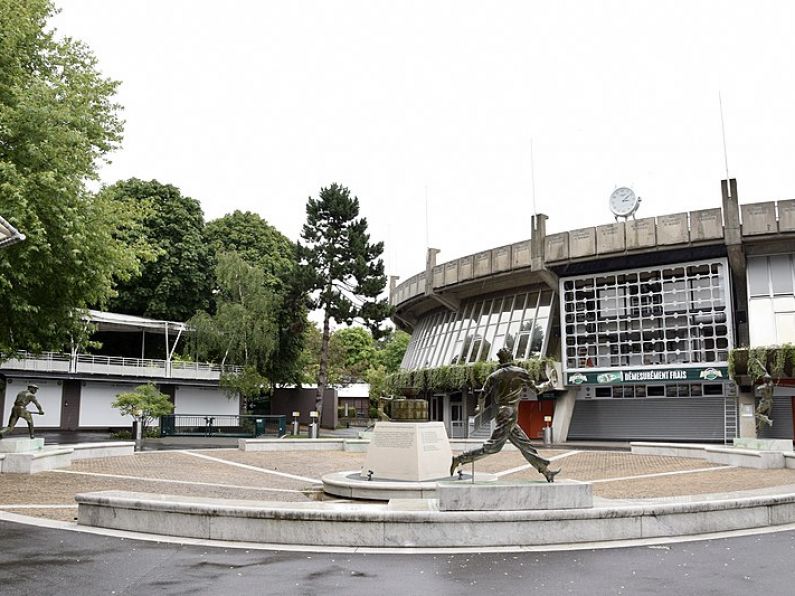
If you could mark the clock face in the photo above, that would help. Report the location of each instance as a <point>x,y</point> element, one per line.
<point>623,202</point>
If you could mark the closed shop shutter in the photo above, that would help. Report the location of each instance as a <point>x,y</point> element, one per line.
<point>684,419</point>
<point>782,419</point>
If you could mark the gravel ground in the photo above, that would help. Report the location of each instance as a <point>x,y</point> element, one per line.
<point>616,475</point>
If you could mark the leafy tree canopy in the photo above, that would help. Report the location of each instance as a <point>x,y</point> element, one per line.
<point>57,120</point>
<point>175,285</point>
<point>257,243</point>
<point>145,401</point>
<point>260,244</point>
<point>242,332</point>
<point>341,268</point>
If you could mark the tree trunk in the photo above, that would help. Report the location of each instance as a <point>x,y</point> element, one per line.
<point>322,373</point>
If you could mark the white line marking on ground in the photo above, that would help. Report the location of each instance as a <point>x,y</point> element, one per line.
<point>658,474</point>
<point>527,466</point>
<point>252,468</point>
<point>189,482</point>
<point>37,506</point>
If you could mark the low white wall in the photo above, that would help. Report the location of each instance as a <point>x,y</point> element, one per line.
<point>203,400</point>
<point>49,396</point>
<point>95,404</point>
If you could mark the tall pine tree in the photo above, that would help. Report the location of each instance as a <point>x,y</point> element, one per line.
<point>343,271</point>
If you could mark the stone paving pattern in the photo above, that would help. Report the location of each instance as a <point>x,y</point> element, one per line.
<point>220,480</point>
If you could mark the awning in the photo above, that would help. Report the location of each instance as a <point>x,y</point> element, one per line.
<point>111,321</point>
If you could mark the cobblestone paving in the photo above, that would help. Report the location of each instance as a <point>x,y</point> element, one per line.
<point>198,476</point>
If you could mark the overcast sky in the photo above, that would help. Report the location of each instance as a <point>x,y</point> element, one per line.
<point>255,105</point>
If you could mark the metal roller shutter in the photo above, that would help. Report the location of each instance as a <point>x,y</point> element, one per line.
<point>670,419</point>
<point>782,420</point>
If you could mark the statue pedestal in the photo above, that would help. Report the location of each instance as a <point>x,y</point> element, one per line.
<point>410,451</point>
<point>20,445</point>
<point>503,495</point>
<point>763,444</point>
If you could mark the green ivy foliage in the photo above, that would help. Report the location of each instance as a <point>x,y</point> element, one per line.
<point>779,361</point>
<point>455,377</point>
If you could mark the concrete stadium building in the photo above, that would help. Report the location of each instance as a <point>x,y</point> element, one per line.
<point>641,314</point>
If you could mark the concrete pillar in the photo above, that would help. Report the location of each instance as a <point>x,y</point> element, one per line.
<point>564,409</point>
<point>732,237</point>
<point>392,286</point>
<point>746,402</point>
<point>538,240</point>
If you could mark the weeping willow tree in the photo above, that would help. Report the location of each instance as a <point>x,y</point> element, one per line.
<point>242,334</point>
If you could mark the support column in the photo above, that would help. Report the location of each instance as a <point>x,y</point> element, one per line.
<point>732,237</point>
<point>561,419</point>
<point>746,403</point>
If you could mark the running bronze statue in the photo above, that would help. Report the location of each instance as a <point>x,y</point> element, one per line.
<point>505,386</point>
<point>20,410</point>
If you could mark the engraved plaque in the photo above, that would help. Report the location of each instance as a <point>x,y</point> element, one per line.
<point>582,242</point>
<point>672,229</point>
<point>451,273</point>
<point>786,216</point>
<point>759,218</point>
<point>482,263</point>
<point>520,254</point>
<point>408,451</point>
<point>706,224</point>
<point>465,268</point>
<point>556,247</point>
<point>640,233</point>
<point>610,238</point>
<point>501,259</point>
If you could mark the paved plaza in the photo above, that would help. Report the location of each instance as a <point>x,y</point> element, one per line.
<point>295,476</point>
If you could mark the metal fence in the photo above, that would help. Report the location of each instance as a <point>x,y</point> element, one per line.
<point>222,425</point>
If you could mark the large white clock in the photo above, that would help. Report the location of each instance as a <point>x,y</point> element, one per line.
<point>624,202</point>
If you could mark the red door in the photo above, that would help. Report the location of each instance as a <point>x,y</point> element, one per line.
<point>531,416</point>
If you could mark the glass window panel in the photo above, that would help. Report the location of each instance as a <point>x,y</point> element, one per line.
<point>758,276</point>
<point>781,274</point>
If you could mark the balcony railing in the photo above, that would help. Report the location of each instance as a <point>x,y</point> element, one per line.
<point>113,365</point>
<point>222,425</point>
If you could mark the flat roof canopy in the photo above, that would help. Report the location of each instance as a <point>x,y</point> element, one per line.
<point>111,321</point>
<point>9,234</point>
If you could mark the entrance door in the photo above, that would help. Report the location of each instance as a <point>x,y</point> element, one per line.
<point>457,424</point>
<point>435,409</point>
<point>70,405</point>
<point>531,416</point>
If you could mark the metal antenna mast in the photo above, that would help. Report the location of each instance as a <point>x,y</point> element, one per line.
<point>533,178</point>
<point>723,132</point>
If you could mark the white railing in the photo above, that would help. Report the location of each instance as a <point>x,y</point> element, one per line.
<point>113,365</point>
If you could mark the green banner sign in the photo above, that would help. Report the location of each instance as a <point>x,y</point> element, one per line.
<point>647,375</point>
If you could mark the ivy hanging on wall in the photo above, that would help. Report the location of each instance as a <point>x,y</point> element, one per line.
<point>455,377</point>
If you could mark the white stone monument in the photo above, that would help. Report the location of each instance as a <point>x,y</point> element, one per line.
<point>409,451</point>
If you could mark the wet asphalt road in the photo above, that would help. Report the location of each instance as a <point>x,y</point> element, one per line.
<point>41,562</point>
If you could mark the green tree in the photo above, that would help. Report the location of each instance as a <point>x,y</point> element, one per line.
<point>262,245</point>
<point>57,121</point>
<point>392,348</point>
<point>145,401</point>
<point>175,285</point>
<point>341,268</point>
<point>242,332</point>
<point>356,347</point>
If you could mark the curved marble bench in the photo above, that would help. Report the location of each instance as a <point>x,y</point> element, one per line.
<point>418,523</point>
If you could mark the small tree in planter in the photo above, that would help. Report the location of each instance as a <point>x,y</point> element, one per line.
<point>145,403</point>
